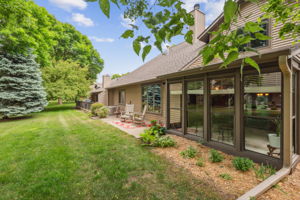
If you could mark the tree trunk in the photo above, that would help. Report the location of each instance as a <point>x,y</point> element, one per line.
<point>60,101</point>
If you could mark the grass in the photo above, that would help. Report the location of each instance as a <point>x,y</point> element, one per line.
<point>62,154</point>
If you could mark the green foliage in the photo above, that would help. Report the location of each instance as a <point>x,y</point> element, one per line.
<point>21,90</point>
<point>115,76</point>
<point>190,152</point>
<point>226,176</point>
<point>147,138</point>
<point>164,141</point>
<point>242,164</point>
<point>25,25</point>
<point>215,156</point>
<point>101,112</point>
<point>264,171</point>
<point>66,80</point>
<point>96,106</point>
<point>200,162</point>
<point>156,130</point>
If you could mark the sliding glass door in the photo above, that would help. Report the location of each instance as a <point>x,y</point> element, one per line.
<point>195,103</point>
<point>175,106</point>
<point>222,110</point>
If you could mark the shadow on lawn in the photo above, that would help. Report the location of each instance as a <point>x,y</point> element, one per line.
<point>54,107</point>
<point>16,118</point>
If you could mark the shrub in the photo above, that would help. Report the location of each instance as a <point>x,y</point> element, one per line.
<point>164,141</point>
<point>215,156</point>
<point>264,171</point>
<point>226,177</point>
<point>242,164</point>
<point>96,106</point>
<point>200,162</point>
<point>156,130</point>
<point>148,138</point>
<point>190,152</point>
<point>101,112</point>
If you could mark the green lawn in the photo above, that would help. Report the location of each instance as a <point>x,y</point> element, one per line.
<point>62,154</point>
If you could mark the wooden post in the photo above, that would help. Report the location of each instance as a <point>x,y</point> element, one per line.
<point>287,112</point>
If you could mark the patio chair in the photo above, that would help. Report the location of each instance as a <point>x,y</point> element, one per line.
<point>118,111</point>
<point>139,118</point>
<point>128,113</point>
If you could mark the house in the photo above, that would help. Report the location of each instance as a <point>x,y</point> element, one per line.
<point>98,92</point>
<point>240,114</point>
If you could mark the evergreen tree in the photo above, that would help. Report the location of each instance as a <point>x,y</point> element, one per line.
<point>21,90</point>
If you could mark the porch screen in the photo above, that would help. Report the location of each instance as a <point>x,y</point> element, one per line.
<point>262,113</point>
<point>151,96</point>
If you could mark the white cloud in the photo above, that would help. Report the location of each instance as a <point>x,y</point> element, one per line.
<point>189,4</point>
<point>213,9</point>
<point>126,22</point>
<point>102,39</point>
<point>70,4</point>
<point>82,20</point>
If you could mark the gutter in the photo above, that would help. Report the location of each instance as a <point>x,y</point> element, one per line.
<point>286,151</point>
<point>274,53</point>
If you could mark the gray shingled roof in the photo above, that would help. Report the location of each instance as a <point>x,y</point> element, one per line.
<point>177,57</point>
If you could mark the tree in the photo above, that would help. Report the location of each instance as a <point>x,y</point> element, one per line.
<point>25,25</point>
<point>166,19</point>
<point>115,76</point>
<point>21,90</point>
<point>66,80</point>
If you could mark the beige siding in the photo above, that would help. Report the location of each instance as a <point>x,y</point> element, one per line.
<point>133,95</point>
<point>252,12</point>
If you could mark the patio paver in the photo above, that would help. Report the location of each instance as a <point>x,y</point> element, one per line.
<point>129,128</point>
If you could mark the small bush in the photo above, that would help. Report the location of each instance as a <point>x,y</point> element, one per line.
<point>96,106</point>
<point>190,152</point>
<point>156,130</point>
<point>164,141</point>
<point>226,177</point>
<point>200,162</point>
<point>102,112</point>
<point>264,171</point>
<point>148,138</point>
<point>215,156</point>
<point>242,164</point>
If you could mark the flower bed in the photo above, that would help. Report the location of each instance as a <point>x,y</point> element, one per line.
<point>222,175</point>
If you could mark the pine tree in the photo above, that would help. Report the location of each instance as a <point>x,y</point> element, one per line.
<point>21,90</point>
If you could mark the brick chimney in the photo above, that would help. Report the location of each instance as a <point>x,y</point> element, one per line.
<point>106,80</point>
<point>199,25</point>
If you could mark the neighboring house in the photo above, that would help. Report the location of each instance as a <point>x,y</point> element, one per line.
<point>227,110</point>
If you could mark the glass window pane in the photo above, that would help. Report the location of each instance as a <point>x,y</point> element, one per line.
<point>262,113</point>
<point>222,110</point>
<point>175,102</point>
<point>151,96</point>
<point>195,102</point>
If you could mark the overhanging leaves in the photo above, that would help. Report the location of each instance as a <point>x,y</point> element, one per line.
<point>105,7</point>
<point>146,51</point>
<point>252,63</point>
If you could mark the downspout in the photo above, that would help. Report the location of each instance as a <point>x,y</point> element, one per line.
<point>287,135</point>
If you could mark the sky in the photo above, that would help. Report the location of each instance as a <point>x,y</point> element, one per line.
<point>104,33</point>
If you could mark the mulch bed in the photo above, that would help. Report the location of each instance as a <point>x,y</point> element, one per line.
<point>287,189</point>
<point>229,189</point>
